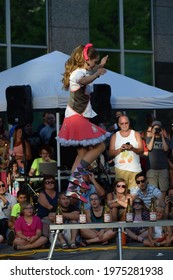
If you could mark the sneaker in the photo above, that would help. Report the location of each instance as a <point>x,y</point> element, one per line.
<point>72,187</point>
<point>79,182</point>
<point>76,195</point>
<point>11,237</point>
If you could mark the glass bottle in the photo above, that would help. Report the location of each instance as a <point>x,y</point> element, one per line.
<point>59,216</point>
<point>82,215</point>
<point>129,212</point>
<point>153,216</point>
<point>106,214</point>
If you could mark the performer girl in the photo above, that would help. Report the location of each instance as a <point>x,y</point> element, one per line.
<point>81,69</point>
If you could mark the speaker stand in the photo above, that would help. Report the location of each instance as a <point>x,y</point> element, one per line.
<point>26,184</point>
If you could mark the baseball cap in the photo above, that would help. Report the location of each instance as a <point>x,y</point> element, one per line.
<point>85,172</point>
<point>156,123</point>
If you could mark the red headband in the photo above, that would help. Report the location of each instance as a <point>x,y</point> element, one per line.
<point>85,51</point>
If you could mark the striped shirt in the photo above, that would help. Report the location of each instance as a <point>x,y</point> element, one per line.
<point>151,191</point>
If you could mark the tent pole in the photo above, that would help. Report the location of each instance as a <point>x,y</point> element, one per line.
<point>58,152</point>
<point>154,114</point>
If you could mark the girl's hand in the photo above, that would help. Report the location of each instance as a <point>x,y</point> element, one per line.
<point>101,71</point>
<point>103,61</point>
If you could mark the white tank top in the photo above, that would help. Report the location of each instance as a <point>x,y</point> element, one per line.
<point>127,160</point>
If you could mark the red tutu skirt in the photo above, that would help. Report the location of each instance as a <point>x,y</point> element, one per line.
<point>77,130</point>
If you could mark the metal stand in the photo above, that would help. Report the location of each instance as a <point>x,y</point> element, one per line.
<point>52,247</point>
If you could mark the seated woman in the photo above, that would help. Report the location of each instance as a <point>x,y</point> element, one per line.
<point>140,213</point>
<point>28,228</point>
<point>117,200</point>
<point>47,201</point>
<point>95,215</point>
<point>159,235</point>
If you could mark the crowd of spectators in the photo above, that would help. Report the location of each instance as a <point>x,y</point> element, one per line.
<point>142,168</point>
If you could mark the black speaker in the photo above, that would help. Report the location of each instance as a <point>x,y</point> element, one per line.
<point>19,104</point>
<point>100,101</point>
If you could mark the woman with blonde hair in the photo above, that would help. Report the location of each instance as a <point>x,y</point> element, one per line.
<point>117,200</point>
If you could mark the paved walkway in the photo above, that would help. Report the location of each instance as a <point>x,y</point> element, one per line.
<point>98,252</point>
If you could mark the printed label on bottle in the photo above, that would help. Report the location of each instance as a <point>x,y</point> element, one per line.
<point>107,218</point>
<point>129,217</point>
<point>82,218</point>
<point>59,219</point>
<point>153,216</point>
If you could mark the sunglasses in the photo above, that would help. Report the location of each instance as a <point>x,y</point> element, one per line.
<point>49,182</point>
<point>2,185</point>
<point>123,186</point>
<point>137,202</point>
<point>140,181</point>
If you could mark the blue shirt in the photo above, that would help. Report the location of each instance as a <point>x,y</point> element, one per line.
<point>87,195</point>
<point>152,191</point>
<point>42,211</point>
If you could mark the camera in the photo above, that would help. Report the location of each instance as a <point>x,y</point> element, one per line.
<point>128,143</point>
<point>171,198</point>
<point>157,130</point>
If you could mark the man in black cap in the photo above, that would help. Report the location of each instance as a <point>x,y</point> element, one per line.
<point>158,146</point>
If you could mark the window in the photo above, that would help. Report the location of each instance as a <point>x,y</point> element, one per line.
<point>23,27</point>
<point>123,30</point>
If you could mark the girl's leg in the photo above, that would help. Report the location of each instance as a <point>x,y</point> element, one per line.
<point>87,155</point>
<point>109,234</point>
<point>36,244</point>
<point>114,214</point>
<point>84,158</point>
<point>88,233</point>
<point>80,155</point>
<point>94,152</point>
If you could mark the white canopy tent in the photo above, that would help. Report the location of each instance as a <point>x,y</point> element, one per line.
<point>44,75</point>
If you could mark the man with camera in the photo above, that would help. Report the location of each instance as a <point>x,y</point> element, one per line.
<point>158,146</point>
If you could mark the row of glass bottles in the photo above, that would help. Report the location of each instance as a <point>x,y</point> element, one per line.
<point>82,215</point>
<point>106,213</point>
<point>152,212</point>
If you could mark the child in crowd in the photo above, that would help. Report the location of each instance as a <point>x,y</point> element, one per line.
<point>140,213</point>
<point>15,213</point>
<point>28,228</point>
<point>159,235</point>
<point>13,173</point>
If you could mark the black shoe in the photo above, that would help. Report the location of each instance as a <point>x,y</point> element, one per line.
<point>11,237</point>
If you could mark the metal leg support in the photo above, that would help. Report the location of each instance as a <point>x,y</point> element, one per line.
<point>52,247</point>
<point>119,244</point>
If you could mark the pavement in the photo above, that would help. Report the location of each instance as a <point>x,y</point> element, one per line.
<point>132,251</point>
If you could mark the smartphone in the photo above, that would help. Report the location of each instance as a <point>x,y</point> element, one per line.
<point>171,198</point>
